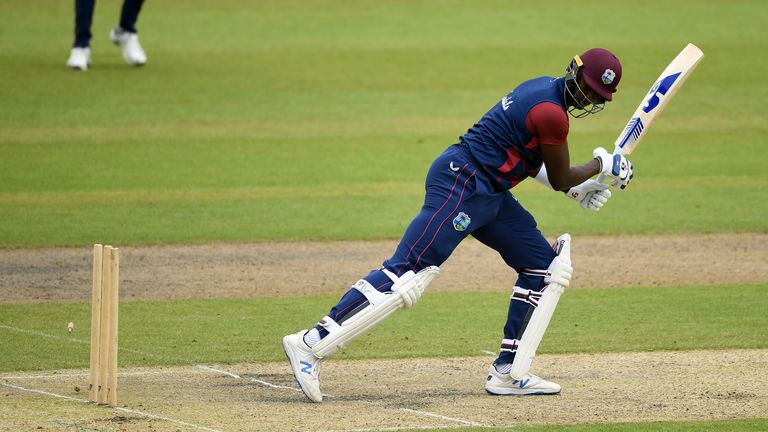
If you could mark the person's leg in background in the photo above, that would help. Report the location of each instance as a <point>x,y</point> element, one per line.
<point>80,55</point>
<point>129,14</point>
<point>126,36</point>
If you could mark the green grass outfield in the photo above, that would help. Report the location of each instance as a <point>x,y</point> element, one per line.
<point>250,330</point>
<point>318,120</point>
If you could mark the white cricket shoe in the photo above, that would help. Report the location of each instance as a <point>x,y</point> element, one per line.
<point>503,384</point>
<point>305,365</point>
<point>79,59</point>
<point>133,54</point>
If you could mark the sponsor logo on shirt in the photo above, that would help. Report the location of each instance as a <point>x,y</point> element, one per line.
<point>506,102</point>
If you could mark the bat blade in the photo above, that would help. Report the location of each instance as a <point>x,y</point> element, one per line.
<point>657,98</point>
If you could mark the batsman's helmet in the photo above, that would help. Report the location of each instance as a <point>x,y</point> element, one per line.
<point>601,71</point>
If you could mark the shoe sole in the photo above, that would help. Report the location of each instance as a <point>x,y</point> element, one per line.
<point>295,374</point>
<point>539,393</point>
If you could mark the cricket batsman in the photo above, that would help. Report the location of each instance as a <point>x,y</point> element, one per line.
<point>468,193</point>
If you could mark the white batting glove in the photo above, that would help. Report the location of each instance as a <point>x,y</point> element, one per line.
<point>615,166</point>
<point>410,297</point>
<point>590,195</point>
<point>559,272</point>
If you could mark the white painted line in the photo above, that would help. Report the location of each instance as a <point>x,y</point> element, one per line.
<point>42,392</point>
<point>84,342</point>
<point>159,417</point>
<point>399,428</point>
<point>202,367</point>
<point>279,386</point>
<point>442,417</point>
<point>140,413</point>
<point>36,333</point>
<point>62,375</point>
<point>85,374</point>
<point>392,429</point>
<point>408,410</point>
<point>488,352</point>
<point>208,368</point>
<point>264,383</point>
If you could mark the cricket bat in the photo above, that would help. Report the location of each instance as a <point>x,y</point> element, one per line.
<point>668,83</point>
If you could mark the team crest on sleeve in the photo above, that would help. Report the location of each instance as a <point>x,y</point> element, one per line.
<point>461,221</point>
<point>608,76</point>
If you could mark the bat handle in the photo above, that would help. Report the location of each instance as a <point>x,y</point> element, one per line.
<point>601,178</point>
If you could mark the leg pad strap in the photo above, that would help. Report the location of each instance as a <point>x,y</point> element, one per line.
<point>405,292</point>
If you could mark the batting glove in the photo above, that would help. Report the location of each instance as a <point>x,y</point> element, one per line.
<point>559,272</point>
<point>590,195</point>
<point>615,166</point>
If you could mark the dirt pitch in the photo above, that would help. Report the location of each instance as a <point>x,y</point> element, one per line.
<point>295,269</point>
<point>387,394</point>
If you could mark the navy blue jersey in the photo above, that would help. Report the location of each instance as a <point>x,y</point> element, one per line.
<point>506,141</point>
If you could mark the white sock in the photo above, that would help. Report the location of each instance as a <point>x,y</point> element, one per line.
<point>503,368</point>
<point>312,337</point>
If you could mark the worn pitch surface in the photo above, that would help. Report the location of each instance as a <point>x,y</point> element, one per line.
<point>413,393</point>
<point>307,268</point>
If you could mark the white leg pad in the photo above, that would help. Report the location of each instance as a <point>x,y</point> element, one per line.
<point>406,290</point>
<point>539,321</point>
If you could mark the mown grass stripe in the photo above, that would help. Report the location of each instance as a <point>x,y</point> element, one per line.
<point>249,330</point>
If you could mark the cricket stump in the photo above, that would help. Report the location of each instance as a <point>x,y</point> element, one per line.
<point>102,387</point>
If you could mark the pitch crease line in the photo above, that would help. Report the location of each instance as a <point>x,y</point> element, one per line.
<point>408,410</point>
<point>85,374</point>
<point>395,428</point>
<point>230,374</point>
<point>442,417</point>
<point>88,342</point>
<point>127,410</point>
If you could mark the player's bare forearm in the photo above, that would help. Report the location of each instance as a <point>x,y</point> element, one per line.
<point>581,173</point>
<point>562,176</point>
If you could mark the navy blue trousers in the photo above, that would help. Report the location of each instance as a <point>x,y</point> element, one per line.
<point>84,17</point>
<point>461,201</point>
